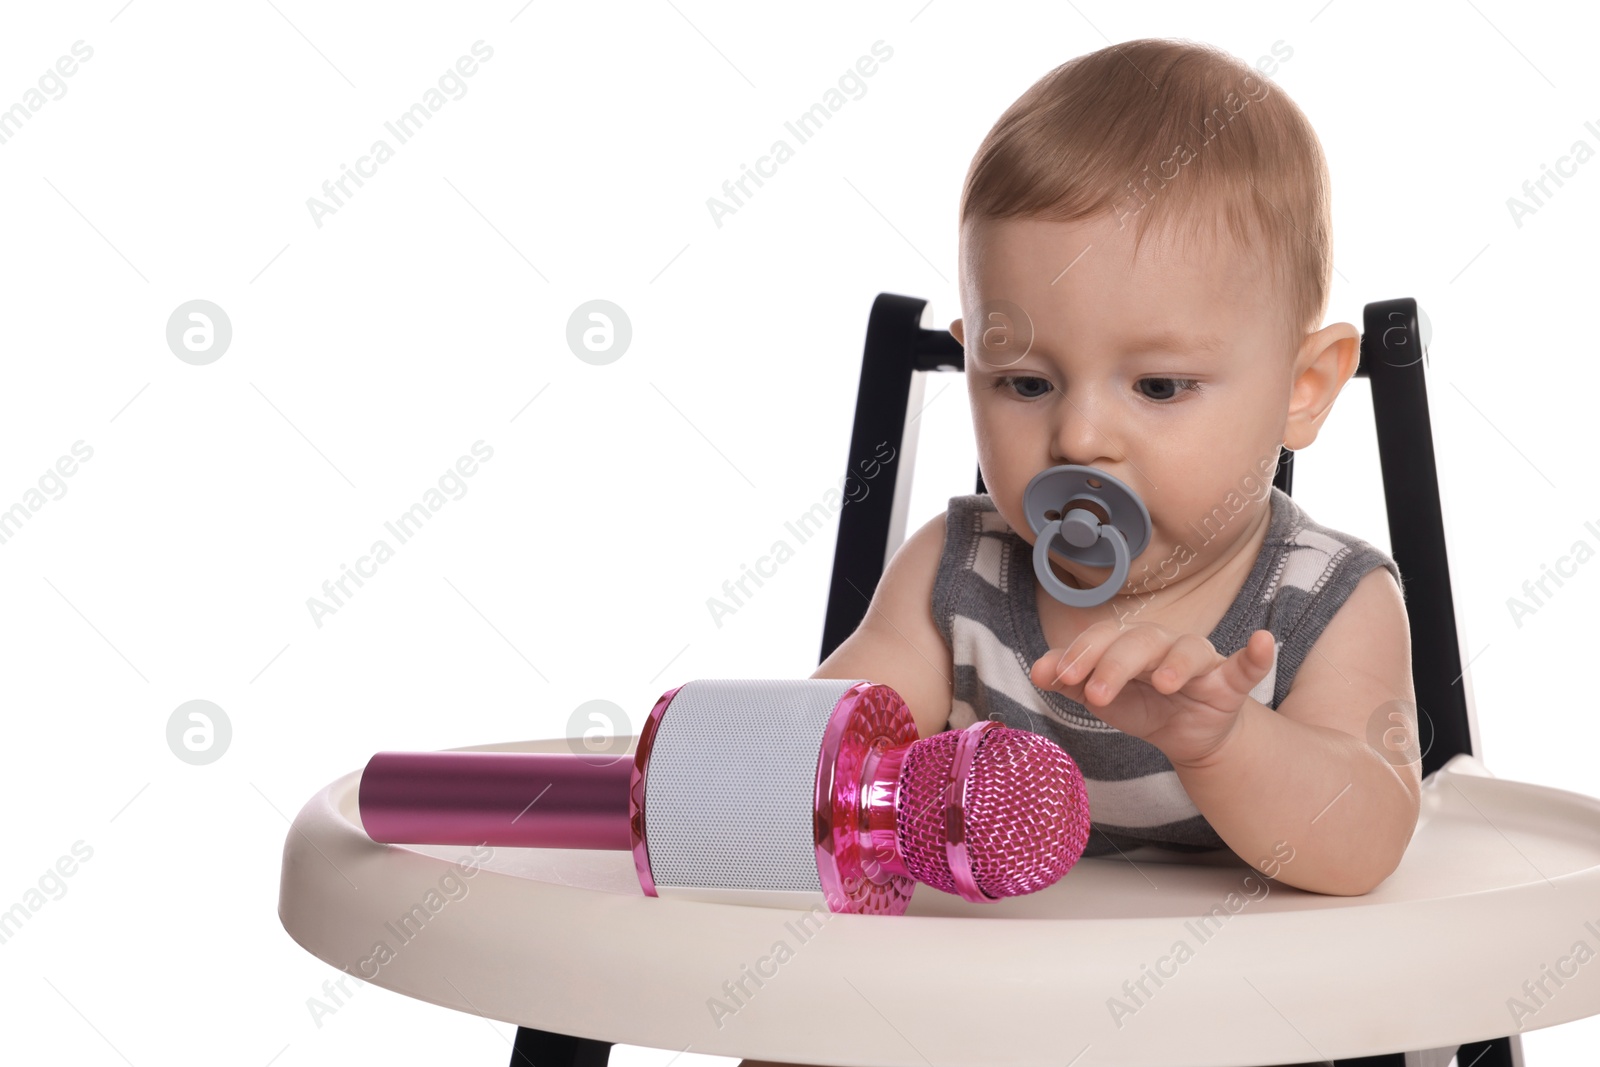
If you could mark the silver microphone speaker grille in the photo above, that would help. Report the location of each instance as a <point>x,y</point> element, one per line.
<point>730,804</point>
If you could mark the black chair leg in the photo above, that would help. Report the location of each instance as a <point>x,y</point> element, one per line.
<point>541,1048</point>
<point>1496,1052</point>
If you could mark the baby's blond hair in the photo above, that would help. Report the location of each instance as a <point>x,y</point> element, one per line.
<point>1156,130</point>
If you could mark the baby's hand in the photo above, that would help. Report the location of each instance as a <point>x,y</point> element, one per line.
<point>1175,691</point>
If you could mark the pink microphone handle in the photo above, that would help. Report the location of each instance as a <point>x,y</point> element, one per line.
<point>516,799</point>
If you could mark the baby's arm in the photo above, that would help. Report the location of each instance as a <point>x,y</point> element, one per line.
<point>1306,776</point>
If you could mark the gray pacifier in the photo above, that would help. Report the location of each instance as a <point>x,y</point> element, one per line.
<point>1090,517</point>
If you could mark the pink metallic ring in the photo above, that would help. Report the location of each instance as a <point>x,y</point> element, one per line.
<point>955,806</point>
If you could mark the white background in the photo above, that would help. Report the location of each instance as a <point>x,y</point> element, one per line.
<point>430,312</point>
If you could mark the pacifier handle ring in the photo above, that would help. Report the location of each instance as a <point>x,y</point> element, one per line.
<point>1081,598</point>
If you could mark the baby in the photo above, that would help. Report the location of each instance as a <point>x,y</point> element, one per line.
<point>1145,258</point>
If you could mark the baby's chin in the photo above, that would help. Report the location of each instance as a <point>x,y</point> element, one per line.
<point>1145,571</point>
<point>1080,575</point>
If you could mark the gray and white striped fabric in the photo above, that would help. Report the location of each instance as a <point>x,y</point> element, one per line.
<point>983,604</point>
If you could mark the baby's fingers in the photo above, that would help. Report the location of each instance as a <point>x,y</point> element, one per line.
<point>1060,668</point>
<point>1250,664</point>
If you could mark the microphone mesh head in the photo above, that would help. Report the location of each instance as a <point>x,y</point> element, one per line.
<point>1027,812</point>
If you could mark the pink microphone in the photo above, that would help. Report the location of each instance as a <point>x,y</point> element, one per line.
<point>779,793</point>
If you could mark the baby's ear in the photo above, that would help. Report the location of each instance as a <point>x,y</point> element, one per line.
<point>957,330</point>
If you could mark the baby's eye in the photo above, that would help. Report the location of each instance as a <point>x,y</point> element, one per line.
<point>1028,387</point>
<point>1189,386</point>
<point>1027,382</point>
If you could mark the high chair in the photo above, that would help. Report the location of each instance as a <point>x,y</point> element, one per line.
<point>1498,888</point>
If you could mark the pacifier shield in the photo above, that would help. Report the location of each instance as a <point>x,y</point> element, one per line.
<point>1090,517</point>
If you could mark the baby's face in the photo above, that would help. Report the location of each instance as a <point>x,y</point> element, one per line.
<point>1079,352</point>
